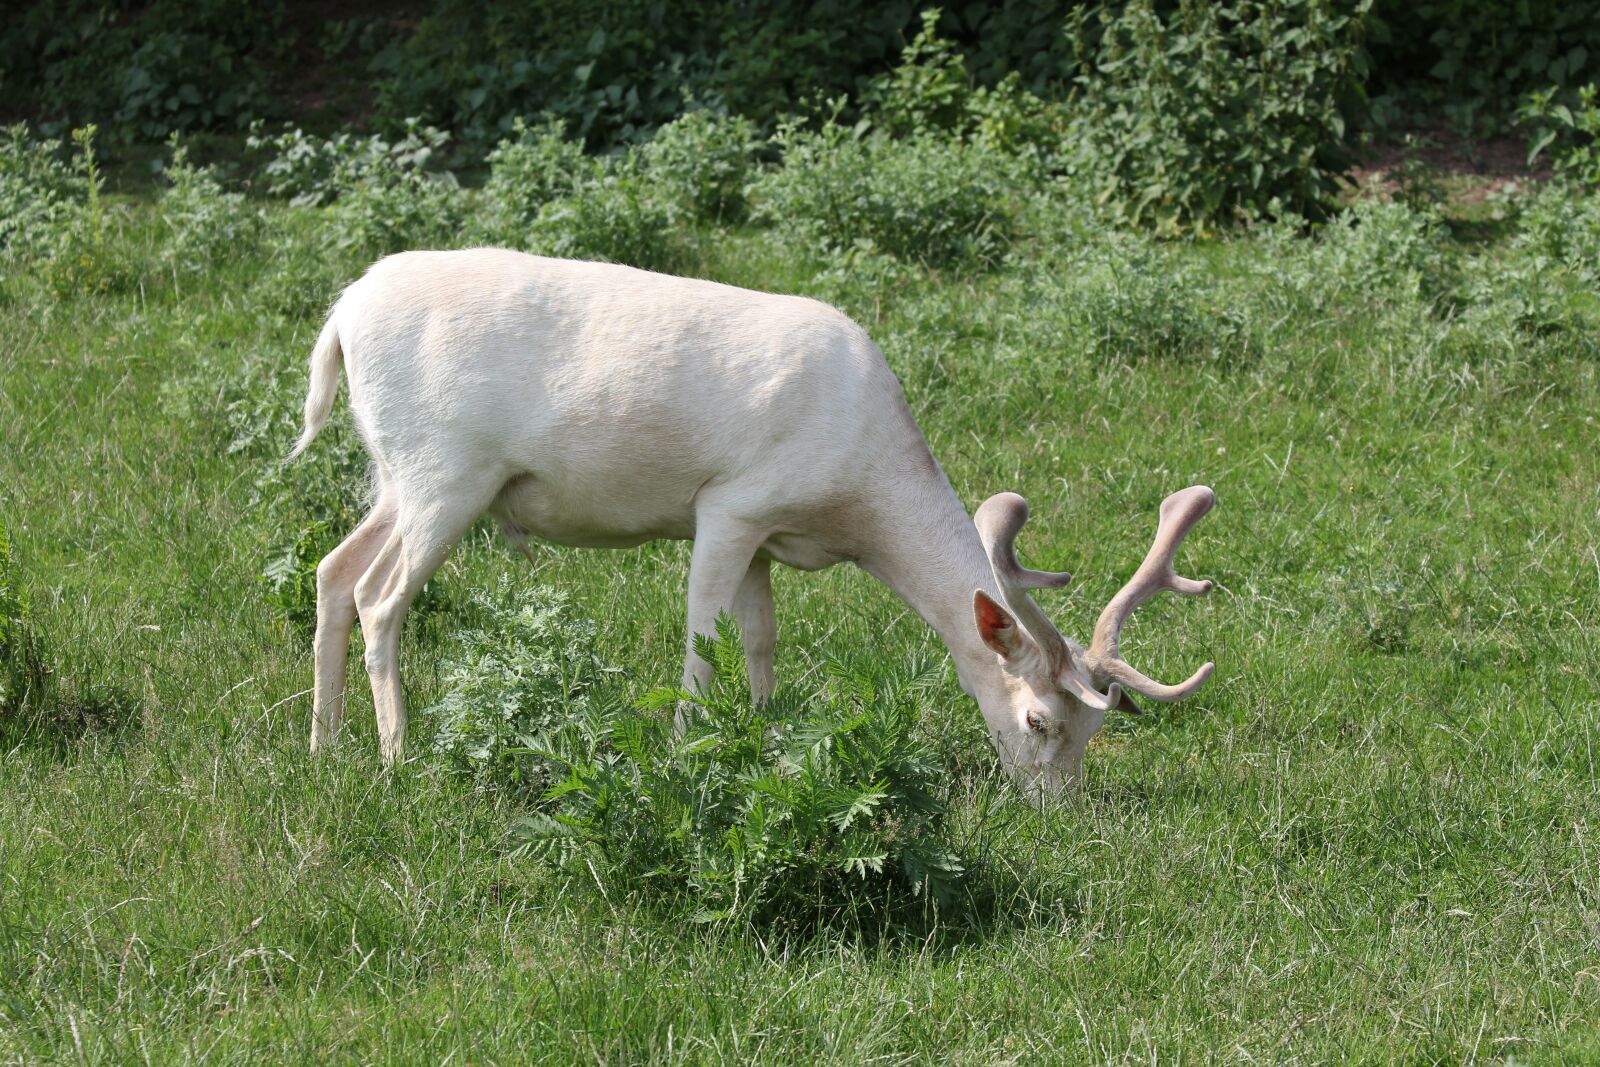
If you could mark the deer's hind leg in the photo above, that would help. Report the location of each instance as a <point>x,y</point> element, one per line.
<point>337,575</point>
<point>426,527</point>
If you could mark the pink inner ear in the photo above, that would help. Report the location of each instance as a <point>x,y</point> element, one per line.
<point>992,619</point>
<point>995,626</point>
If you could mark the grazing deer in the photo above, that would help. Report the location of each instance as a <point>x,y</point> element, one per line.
<point>598,405</point>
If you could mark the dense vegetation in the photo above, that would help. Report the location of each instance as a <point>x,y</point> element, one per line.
<point>1367,839</point>
<point>615,71</point>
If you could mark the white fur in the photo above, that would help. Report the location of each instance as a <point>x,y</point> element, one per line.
<point>598,405</point>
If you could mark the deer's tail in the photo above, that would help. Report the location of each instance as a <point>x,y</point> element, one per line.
<point>326,360</point>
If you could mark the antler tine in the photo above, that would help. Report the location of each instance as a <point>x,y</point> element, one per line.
<point>1179,513</point>
<point>998,520</point>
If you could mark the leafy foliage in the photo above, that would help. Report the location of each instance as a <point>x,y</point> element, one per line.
<point>1570,133</point>
<point>143,70</point>
<point>36,189</point>
<point>704,161</point>
<point>534,166</point>
<point>1217,112</point>
<point>923,199</point>
<point>812,807</point>
<point>1562,224</point>
<point>1475,59</point>
<point>525,671</point>
<point>205,223</point>
<point>387,196</point>
<point>545,195</point>
<point>931,91</point>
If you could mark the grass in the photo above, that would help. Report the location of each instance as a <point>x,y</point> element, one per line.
<point>1368,839</point>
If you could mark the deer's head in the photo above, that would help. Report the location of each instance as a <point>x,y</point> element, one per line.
<point>1050,695</point>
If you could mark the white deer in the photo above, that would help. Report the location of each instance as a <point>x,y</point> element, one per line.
<point>598,405</point>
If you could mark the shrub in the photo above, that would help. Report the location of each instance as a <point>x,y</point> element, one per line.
<point>1384,253</point>
<point>930,91</point>
<point>924,199</point>
<point>807,808</point>
<point>1217,111</point>
<point>536,165</point>
<point>1562,224</point>
<point>204,222</point>
<point>386,195</point>
<point>704,162</point>
<point>143,70</point>
<point>526,671</point>
<point>1473,60</point>
<point>86,255</point>
<point>36,190</point>
<point>620,216</point>
<point>1123,300</point>
<point>1571,133</point>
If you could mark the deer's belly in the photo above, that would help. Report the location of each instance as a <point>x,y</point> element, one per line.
<point>626,515</point>
<point>586,517</point>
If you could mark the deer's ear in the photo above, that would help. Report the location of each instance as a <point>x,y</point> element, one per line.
<point>996,626</point>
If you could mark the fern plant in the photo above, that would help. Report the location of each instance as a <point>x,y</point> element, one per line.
<point>809,807</point>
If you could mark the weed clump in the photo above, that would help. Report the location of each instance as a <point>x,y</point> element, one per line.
<point>384,196</point>
<point>923,199</point>
<point>545,195</point>
<point>817,807</point>
<point>524,673</point>
<point>205,223</point>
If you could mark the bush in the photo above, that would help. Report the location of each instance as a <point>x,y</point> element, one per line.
<point>1123,300</point>
<point>1572,134</point>
<point>620,216</point>
<point>86,254</point>
<point>931,92</point>
<point>536,165</point>
<point>704,162</point>
<point>526,671</point>
<point>1384,253</point>
<point>204,222</point>
<point>1562,224</point>
<point>386,196</point>
<point>808,808</point>
<point>36,190</point>
<point>142,70</point>
<point>1474,60</point>
<point>924,199</point>
<point>1217,112</point>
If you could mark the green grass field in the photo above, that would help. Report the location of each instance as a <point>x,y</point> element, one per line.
<point>1371,838</point>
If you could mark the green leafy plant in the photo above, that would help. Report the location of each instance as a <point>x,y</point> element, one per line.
<point>1192,119</point>
<point>87,256</point>
<point>142,70</point>
<point>204,222</point>
<point>386,195</point>
<point>526,670</point>
<point>931,91</point>
<point>815,806</point>
<point>705,162</point>
<point>1562,225</point>
<point>924,199</point>
<point>535,165</point>
<point>37,188</point>
<point>620,215</point>
<point>1570,133</point>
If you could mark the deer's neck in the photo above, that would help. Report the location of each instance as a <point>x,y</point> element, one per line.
<point>930,555</point>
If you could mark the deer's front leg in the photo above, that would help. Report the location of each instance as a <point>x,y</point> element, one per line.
<point>723,553</point>
<point>758,623</point>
